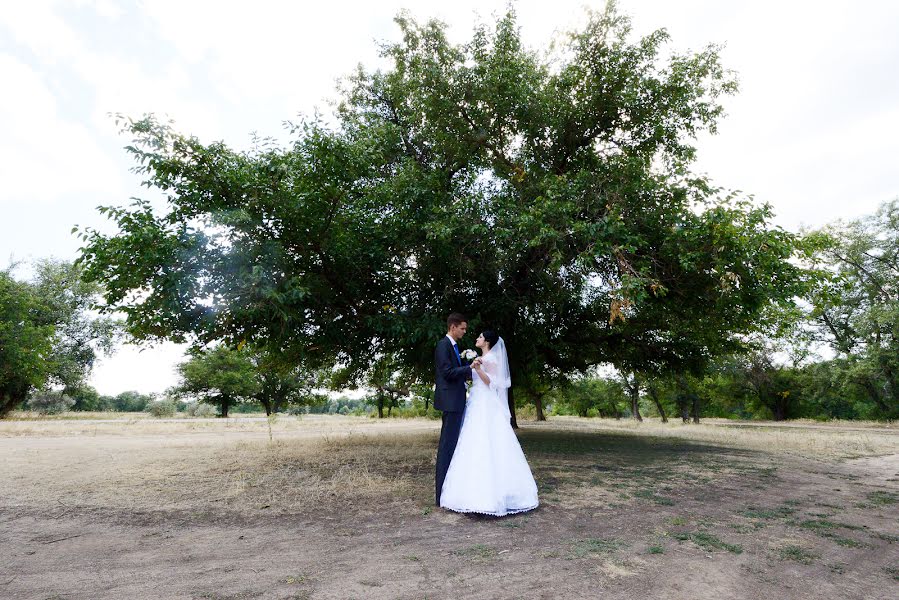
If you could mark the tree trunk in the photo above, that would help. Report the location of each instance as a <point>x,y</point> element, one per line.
<point>278,402</point>
<point>268,407</point>
<point>538,404</point>
<point>634,390</point>
<point>225,403</point>
<point>8,403</point>
<point>683,408</point>
<point>389,408</point>
<point>380,406</point>
<point>513,420</point>
<point>13,396</point>
<point>696,408</point>
<point>654,394</point>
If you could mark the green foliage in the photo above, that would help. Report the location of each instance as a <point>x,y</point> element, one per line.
<point>856,308</point>
<point>164,407</point>
<point>50,403</point>
<point>26,342</point>
<point>218,376</point>
<point>48,336</point>
<point>87,399</point>
<point>129,401</point>
<point>549,197</point>
<point>199,409</point>
<point>79,334</point>
<point>591,397</point>
<point>339,405</point>
<point>282,383</point>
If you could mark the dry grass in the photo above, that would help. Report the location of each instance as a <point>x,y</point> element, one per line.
<point>316,463</point>
<point>809,441</point>
<point>209,465</point>
<point>141,424</point>
<point>168,503</point>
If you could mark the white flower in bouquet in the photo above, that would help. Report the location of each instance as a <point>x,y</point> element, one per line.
<point>469,355</point>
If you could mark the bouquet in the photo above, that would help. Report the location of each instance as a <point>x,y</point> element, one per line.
<point>469,355</point>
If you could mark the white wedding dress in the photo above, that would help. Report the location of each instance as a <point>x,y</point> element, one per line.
<point>489,473</point>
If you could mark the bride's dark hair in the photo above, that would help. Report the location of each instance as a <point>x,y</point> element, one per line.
<point>490,336</point>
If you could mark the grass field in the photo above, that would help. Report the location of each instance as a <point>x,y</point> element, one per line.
<point>125,506</point>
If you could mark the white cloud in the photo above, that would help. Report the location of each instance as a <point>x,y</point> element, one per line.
<point>37,26</point>
<point>44,157</point>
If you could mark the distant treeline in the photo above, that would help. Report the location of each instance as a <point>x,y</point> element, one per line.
<point>748,388</point>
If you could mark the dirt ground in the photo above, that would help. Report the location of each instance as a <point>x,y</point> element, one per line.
<point>340,507</point>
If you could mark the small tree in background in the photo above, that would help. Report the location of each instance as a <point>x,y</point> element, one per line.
<point>162,408</point>
<point>88,399</point>
<point>130,401</point>
<point>218,376</point>
<point>281,384</point>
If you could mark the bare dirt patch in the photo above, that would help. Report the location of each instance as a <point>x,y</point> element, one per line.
<point>335,507</point>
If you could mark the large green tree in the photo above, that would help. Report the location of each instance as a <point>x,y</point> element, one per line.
<point>80,334</point>
<point>546,195</point>
<point>856,308</point>
<point>26,342</point>
<point>49,334</point>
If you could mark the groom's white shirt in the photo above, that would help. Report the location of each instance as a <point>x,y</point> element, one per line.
<point>453,342</point>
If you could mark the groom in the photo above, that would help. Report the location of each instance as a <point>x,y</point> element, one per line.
<point>449,392</point>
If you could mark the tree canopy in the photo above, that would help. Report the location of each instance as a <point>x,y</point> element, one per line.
<point>548,195</point>
<point>48,335</point>
<point>856,308</point>
<point>218,376</point>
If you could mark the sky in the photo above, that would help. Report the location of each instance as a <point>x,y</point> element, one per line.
<point>814,129</point>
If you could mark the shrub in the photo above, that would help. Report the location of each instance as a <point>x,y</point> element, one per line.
<point>528,411</point>
<point>200,409</point>
<point>49,403</point>
<point>204,410</point>
<point>162,408</point>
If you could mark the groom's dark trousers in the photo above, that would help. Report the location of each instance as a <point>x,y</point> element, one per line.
<point>449,435</point>
<point>449,396</point>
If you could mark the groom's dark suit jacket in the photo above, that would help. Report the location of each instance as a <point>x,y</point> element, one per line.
<point>449,393</point>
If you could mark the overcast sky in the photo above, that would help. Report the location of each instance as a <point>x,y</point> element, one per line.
<point>814,129</point>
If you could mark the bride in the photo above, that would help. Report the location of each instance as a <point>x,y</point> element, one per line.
<point>488,473</point>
